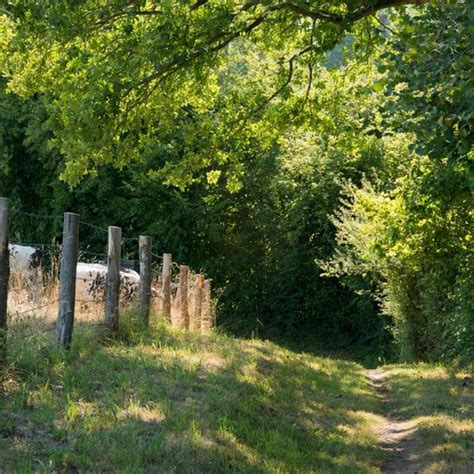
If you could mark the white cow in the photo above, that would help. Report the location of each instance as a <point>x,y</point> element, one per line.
<point>91,277</point>
<point>25,266</point>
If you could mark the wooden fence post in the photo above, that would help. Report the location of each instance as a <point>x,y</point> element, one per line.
<point>207,319</point>
<point>67,280</point>
<point>4,276</point>
<point>145,245</point>
<point>183,321</point>
<point>112,283</point>
<point>166,276</point>
<point>195,321</point>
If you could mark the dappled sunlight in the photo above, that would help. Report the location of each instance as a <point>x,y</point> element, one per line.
<point>148,413</point>
<point>362,418</point>
<point>434,411</point>
<point>194,402</point>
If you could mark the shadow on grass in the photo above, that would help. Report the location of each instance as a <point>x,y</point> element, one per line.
<point>177,402</point>
<point>369,357</point>
<point>441,403</point>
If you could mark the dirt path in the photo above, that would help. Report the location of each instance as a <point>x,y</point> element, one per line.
<point>396,435</point>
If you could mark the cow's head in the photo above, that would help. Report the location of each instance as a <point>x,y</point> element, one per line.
<point>35,260</point>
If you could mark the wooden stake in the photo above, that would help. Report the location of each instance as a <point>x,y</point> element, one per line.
<point>183,321</point>
<point>195,321</point>
<point>145,245</point>
<point>112,283</point>
<point>67,278</point>
<point>207,321</point>
<point>4,275</point>
<point>167,286</point>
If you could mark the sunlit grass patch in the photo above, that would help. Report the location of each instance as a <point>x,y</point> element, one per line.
<point>441,401</point>
<point>173,401</point>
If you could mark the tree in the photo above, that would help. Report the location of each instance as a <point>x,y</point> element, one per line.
<point>119,72</point>
<point>413,235</point>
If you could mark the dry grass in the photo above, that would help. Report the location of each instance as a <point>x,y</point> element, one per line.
<point>39,301</point>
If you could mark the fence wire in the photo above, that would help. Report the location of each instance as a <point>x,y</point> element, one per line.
<point>36,308</point>
<point>48,282</point>
<point>32,214</point>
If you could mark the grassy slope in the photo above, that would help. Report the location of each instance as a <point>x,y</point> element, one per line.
<point>166,401</point>
<point>173,401</point>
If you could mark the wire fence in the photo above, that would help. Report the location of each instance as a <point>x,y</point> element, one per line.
<point>177,294</point>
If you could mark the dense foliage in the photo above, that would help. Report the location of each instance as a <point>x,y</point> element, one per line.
<point>414,233</point>
<point>132,66</point>
<point>319,169</point>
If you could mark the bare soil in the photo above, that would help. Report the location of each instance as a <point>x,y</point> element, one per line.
<point>397,436</point>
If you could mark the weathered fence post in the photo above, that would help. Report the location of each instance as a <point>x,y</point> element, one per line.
<point>183,321</point>
<point>144,244</point>
<point>166,276</point>
<point>4,276</point>
<point>112,283</point>
<point>195,321</point>
<point>207,319</point>
<point>67,280</point>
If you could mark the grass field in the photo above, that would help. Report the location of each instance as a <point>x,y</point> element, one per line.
<point>167,401</point>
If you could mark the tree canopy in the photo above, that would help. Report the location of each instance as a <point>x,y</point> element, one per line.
<point>120,72</point>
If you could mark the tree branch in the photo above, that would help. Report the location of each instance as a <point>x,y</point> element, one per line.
<point>291,68</point>
<point>199,3</point>
<point>351,16</point>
